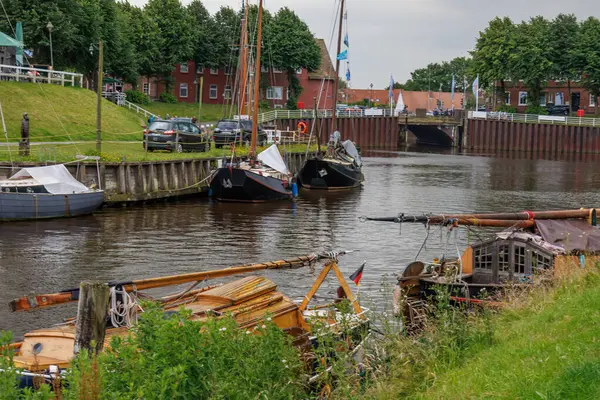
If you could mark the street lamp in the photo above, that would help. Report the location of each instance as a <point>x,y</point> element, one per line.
<point>49,26</point>
<point>371,96</point>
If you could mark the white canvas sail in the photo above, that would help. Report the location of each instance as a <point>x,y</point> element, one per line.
<point>399,104</point>
<point>273,159</point>
<point>55,178</point>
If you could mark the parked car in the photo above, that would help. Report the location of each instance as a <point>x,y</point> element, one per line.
<point>229,131</point>
<point>175,136</point>
<point>554,109</point>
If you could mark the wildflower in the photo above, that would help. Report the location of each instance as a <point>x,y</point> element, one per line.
<point>269,319</point>
<point>223,329</point>
<point>263,326</point>
<point>284,361</point>
<point>248,332</point>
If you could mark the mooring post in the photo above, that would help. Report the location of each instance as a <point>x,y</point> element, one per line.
<point>92,308</point>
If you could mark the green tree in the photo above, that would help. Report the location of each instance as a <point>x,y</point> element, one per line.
<point>493,51</point>
<point>176,32</point>
<point>438,76</point>
<point>564,30</point>
<point>531,62</point>
<point>224,37</point>
<point>588,50</point>
<point>291,45</point>
<point>202,27</point>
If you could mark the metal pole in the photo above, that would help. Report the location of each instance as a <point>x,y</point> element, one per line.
<point>200,97</point>
<point>256,85</point>
<point>99,101</point>
<point>336,82</point>
<point>51,55</point>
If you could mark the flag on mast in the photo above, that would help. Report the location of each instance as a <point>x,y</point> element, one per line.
<point>453,89</point>
<point>343,55</point>
<point>476,92</point>
<point>391,90</point>
<point>357,275</point>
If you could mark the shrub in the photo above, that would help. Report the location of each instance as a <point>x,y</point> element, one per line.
<point>507,109</point>
<point>167,98</point>
<point>535,109</point>
<point>135,96</point>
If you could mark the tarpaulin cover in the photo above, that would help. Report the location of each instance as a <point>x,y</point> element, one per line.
<point>273,159</point>
<point>352,151</point>
<point>55,178</point>
<point>572,235</point>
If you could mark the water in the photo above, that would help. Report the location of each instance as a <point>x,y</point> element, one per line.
<point>197,234</point>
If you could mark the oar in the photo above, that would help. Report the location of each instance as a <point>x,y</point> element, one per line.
<point>65,296</point>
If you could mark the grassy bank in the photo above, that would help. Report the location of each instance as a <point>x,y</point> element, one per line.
<point>546,346</point>
<point>118,152</point>
<point>210,112</point>
<point>59,113</point>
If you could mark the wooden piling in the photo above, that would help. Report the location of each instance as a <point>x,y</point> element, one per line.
<point>92,309</point>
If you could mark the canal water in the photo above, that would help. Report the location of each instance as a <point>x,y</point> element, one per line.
<point>197,234</point>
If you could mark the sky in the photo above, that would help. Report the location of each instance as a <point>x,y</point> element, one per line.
<point>398,36</point>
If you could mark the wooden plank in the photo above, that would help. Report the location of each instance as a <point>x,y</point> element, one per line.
<point>346,288</point>
<point>315,286</point>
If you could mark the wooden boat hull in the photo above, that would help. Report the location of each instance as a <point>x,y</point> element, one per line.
<point>241,185</point>
<point>26,206</point>
<point>326,175</point>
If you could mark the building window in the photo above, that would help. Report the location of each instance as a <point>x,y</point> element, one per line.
<point>275,93</point>
<point>213,92</point>
<point>278,106</point>
<point>559,99</point>
<point>299,71</point>
<point>520,259</point>
<point>183,90</point>
<point>277,70</point>
<point>522,98</point>
<point>543,100</point>
<point>507,98</point>
<point>146,88</point>
<point>483,258</point>
<point>504,258</point>
<point>264,68</point>
<point>183,68</point>
<point>214,71</point>
<point>227,70</point>
<point>592,101</point>
<point>227,92</point>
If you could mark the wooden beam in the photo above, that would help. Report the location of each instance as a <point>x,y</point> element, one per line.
<point>90,326</point>
<point>315,286</point>
<point>346,288</point>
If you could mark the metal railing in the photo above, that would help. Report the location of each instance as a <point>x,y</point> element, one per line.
<point>534,118</point>
<point>309,114</point>
<point>38,75</point>
<point>136,108</point>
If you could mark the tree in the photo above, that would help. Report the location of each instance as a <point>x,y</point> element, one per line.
<point>225,33</point>
<point>439,76</point>
<point>291,46</point>
<point>176,43</point>
<point>588,49</point>
<point>202,27</point>
<point>397,85</point>
<point>493,51</point>
<point>564,30</point>
<point>531,61</point>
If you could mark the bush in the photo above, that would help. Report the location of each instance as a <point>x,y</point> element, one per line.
<point>507,109</point>
<point>537,110</point>
<point>167,98</point>
<point>135,96</point>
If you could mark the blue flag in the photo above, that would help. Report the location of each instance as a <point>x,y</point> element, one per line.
<point>343,55</point>
<point>453,87</point>
<point>391,91</point>
<point>348,74</point>
<point>346,40</point>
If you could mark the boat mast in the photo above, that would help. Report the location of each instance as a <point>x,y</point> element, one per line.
<point>244,60</point>
<point>256,85</point>
<point>336,82</point>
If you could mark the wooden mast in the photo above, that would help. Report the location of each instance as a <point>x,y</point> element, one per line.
<point>256,86</point>
<point>244,60</point>
<point>336,82</point>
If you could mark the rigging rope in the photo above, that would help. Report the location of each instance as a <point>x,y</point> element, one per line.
<point>123,312</point>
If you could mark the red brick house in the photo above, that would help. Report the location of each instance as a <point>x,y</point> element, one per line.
<point>555,92</point>
<point>218,84</point>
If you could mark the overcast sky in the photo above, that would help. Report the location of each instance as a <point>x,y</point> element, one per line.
<point>398,36</point>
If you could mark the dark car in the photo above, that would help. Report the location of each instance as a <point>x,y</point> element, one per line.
<point>553,109</point>
<point>229,131</point>
<point>175,136</point>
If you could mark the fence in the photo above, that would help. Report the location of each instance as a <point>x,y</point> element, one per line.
<point>136,108</point>
<point>310,114</point>
<point>38,75</point>
<point>537,119</point>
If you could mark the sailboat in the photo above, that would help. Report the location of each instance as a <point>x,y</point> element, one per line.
<point>340,167</point>
<point>264,177</point>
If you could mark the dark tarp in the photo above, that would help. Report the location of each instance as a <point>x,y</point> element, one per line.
<point>572,235</point>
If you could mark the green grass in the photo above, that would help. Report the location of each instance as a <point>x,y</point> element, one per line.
<point>59,113</point>
<point>549,349</point>
<point>210,112</point>
<point>118,152</point>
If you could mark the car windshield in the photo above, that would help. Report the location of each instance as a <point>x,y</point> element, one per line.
<point>228,125</point>
<point>160,126</point>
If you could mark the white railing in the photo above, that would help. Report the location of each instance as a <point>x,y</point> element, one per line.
<point>35,75</point>
<point>136,108</point>
<point>309,114</point>
<point>116,97</point>
<point>533,118</point>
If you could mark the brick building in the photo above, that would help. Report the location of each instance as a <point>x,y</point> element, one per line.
<point>555,92</point>
<point>218,84</point>
<point>412,100</point>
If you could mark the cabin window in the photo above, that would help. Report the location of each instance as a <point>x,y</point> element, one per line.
<point>540,261</point>
<point>520,259</point>
<point>504,258</point>
<point>483,258</point>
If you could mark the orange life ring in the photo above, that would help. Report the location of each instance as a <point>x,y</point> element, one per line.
<point>302,127</point>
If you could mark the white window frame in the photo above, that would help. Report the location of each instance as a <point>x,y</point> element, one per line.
<point>264,69</point>
<point>227,70</point>
<point>562,98</point>
<point>277,70</point>
<point>507,98</point>
<point>592,101</point>
<point>522,95</point>
<point>227,92</point>
<point>184,68</point>
<point>543,98</point>
<point>146,88</point>
<point>214,71</point>
<point>213,92</point>
<point>274,93</point>
<point>299,71</point>
<point>183,88</point>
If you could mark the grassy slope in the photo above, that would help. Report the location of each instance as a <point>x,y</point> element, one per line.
<point>210,112</point>
<point>59,113</point>
<point>550,350</point>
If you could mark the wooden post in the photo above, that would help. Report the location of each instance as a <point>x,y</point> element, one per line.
<point>92,308</point>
